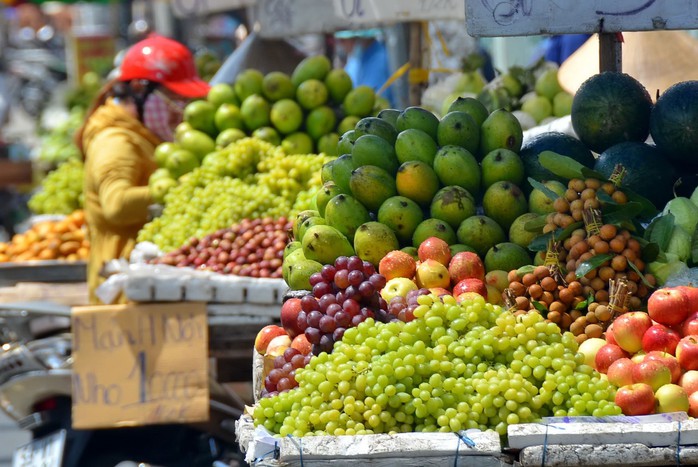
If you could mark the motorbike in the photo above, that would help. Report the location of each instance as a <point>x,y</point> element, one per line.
<point>35,391</point>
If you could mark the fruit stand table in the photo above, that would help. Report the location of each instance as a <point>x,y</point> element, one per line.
<point>53,281</point>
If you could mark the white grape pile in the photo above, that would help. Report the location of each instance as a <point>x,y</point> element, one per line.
<point>61,192</point>
<point>454,367</point>
<point>249,179</point>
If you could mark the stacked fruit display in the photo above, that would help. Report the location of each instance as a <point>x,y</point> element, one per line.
<point>406,176</point>
<point>65,239</point>
<point>249,179</point>
<point>253,247</point>
<point>456,365</point>
<point>653,357</point>
<point>61,191</point>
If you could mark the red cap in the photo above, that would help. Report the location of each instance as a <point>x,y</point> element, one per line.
<point>164,61</point>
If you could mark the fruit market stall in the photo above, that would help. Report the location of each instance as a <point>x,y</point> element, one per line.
<point>452,278</point>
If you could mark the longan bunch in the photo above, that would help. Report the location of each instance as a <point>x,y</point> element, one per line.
<point>542,287</point>
<point>580,195</point>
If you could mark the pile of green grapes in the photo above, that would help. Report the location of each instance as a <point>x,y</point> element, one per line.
<point>61,190</point>
<point>249,179</point>
<point>455,367</point>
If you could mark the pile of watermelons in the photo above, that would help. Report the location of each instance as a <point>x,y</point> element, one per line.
<point>613,115</point>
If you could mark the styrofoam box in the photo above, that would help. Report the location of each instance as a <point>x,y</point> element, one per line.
<point>627,455</point>
<point>381,450</point>
<point>662,434</point>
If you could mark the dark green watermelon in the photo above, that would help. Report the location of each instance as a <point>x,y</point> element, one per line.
<point>560,143</point>
<point>674,124</point>
<point>611,108</point>
<point>648,173</point>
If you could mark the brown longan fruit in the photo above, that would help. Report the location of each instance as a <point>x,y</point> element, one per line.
<point>606,273</point>
<point>639,264</point>
<point>591,203</point>
<point>577,184</point>
<point>566,296</point>
<point>608,187</point>
<point>601,247</point>
<point>549,284</point>
<point>535,291</point>
<point>561,205</point>
<point>617,245</point>
<point>557,306</point>
<point>634,303</point>
<point>597,283</point>
<point>529,279</point>
<point>634,245</point>
<point>651,279</point>
<point>586,255</point>
<point>547,228</point>
<point>547,298</point>
<point>577,215</point>
<point>581,338</point>
<point>517,288</point>
<point>608,232</point>
<point>565,321</point>
<point>571,265</point>
<point>512,276</point>
<point>619,263</point>
<point>522,303</point>
<point>592,183</point>
<point>554,316</point>
<point>591,275</point>
<point>575,287</point>
<point>632,287</point>
<point>575,314</point>
<point>603,313</point>
<point>593,306</point>
<point>541,271</point>
<point>619,197</point>
<point>577,327</point>
<point>626,234</point>
<point>593,330</point>
<point>642,291</point>
<point>593,239</point>
<point>566,220</point>
<point>571,195</point>
<point>571,276</point>
<point>601,295</point>
<point>588,193</point>
<point>576,205</point>
<point>588,290</point>
<point>567,244</point>
<point>591,317</point>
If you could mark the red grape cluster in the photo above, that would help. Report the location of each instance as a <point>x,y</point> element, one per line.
<point>283,376</point>
<point>344,295</point>
<point>403,307</point>
<point>253,248</point>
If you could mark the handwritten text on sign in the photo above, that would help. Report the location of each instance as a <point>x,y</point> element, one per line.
<point>529,17</point>
<point>140,364</point>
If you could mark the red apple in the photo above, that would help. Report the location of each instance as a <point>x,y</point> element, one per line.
<point>265,335</point>
<point>693,405</point>
<point>651,372</point>
<point>635,399</point>
<point>467,265</point>
<point>620,373</point>
<point>397,263</point>
<point>289,316</point>
<point>668,360</point>
<point>692,295</point>
<point>301,344</point>
<point>629,328</point>
<point>470,285</point>
<point>660,337</point>
<point>687,352</point>
<point>690,325</point>
<point>610,338</point>
<point>668,306</point>
<point>671,398</point>
<point>689,381</point>
<point>431,273</point>
<point>436,249</point>
<point>606,355</point>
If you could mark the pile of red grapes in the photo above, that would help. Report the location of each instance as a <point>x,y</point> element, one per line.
<point>252,248</point>
<point>403,308</point>
<point>344,294</point>
<point>283,376</point>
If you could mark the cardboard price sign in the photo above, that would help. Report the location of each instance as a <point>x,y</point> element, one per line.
<point>140,364</point>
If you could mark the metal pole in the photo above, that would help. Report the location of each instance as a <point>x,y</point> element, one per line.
<point>415,52</point>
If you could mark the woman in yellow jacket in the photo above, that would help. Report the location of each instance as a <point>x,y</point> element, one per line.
<point>131,116</point>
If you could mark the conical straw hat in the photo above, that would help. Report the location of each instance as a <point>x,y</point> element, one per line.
<point>657,59</point>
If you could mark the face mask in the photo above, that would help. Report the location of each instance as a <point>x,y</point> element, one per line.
<point>156,116</point>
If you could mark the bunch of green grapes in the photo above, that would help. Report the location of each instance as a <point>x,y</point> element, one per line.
<point>249,179</point>
<point>454,367</point>
<point>61,192</point>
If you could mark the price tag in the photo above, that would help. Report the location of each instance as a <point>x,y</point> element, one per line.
<point>529,17</point>
<point>140,364</point>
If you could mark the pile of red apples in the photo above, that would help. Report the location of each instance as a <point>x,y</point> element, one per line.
<point>652,358</point>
